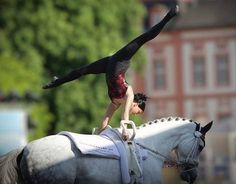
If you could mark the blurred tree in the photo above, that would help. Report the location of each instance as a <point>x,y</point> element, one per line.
<point>44,38</point>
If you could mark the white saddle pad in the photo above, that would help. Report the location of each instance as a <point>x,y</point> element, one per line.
<point>104,146</point>
<point>93,144</point>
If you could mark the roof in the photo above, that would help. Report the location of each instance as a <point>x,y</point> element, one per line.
<point>205,14</point>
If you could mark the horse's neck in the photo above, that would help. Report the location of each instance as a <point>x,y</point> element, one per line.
<point>163,136</point>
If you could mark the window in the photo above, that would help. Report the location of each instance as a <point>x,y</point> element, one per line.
<point>224,123</point>
<point>159,72</point>
<point>199,77</point>
<point>222,69</point>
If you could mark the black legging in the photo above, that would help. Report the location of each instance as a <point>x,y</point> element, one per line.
<point>119,62</point>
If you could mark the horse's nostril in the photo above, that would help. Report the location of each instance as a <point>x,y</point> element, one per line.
<point>185,177</point>
<point>189,177</point>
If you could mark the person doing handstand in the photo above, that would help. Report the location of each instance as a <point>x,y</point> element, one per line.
<point>115,67</point>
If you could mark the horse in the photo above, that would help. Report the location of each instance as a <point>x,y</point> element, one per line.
<point>55,159</point>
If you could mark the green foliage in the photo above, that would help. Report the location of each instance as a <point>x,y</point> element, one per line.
<point>40,39</point>
<point>40,120</point>
<point>20,74</point>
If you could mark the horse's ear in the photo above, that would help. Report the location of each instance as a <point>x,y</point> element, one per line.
<point>206,128</point>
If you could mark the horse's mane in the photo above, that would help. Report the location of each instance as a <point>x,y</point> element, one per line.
<point>165,119</point>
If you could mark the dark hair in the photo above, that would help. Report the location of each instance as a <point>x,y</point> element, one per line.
<point>141,99</point>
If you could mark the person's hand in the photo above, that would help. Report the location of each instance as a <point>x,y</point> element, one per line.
<point>123,125</point>
<point>125,135</point>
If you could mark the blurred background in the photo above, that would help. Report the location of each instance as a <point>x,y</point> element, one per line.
<point>189,70</point>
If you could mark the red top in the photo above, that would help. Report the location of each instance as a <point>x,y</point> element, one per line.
<point>117,86</point>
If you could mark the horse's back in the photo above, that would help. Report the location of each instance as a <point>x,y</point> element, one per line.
<point>49,160</point>
<point>55,159</point>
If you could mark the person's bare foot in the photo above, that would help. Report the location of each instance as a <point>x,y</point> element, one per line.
<point>177,9</point>
<point>174,11</point>
<point>51,84</point>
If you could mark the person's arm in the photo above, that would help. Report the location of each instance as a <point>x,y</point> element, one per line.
<point>128,103</point>
<point>125,116</point>
<point>109,112</point>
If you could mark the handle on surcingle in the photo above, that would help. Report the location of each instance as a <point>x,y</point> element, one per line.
<point>129,122</point>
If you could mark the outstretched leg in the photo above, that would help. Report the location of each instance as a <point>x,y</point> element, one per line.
<point>93,68</point>
<point>131,48</point>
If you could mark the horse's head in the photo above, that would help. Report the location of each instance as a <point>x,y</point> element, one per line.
<point>188,152</point>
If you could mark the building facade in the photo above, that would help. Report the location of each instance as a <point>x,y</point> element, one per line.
<point>191,72</point>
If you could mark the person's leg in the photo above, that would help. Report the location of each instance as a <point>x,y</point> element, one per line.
<point>93,68</point>
<point>131,48</point>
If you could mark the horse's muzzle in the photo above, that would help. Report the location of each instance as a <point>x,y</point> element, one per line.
<point>189,176</point>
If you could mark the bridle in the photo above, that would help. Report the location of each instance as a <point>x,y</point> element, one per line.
<point>196,147</point>
<point>185,164</point>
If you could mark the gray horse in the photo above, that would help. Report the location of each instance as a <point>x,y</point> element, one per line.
<point>54,159</point>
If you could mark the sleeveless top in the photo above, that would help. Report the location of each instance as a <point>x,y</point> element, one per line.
<point>115,78</point>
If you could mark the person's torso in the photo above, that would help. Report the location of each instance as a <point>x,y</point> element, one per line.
<point>115,78</point>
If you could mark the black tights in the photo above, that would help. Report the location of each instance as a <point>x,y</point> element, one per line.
<point>123,55</point>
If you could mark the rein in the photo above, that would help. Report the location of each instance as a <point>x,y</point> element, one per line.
<point>169,160</point>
